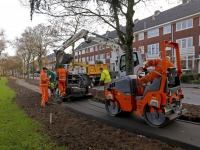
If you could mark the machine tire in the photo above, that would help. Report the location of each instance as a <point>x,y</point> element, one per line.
<point>111,107</point>
<point>154,119</point>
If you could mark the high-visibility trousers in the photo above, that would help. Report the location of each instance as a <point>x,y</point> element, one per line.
<point>62,86</point>
<point>45,94</point>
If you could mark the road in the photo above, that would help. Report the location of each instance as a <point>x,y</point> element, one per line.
<point>191,96</point>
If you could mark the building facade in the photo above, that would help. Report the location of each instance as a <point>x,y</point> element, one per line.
<point>180,24</point>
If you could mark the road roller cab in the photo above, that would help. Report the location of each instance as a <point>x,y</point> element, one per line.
<point>158,103</point>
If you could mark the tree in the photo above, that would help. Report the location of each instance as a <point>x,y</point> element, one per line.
<point>44,37</point>
<point>111,12</point>
<point>2,41</point>
<point>33,45</point>
<point>65,28</point>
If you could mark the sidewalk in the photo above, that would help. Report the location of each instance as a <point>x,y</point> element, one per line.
<point>186,85</point>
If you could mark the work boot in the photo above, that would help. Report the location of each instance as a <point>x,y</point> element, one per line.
<point>64,94</point>
<point>43,104</point>
<point>47,103</point>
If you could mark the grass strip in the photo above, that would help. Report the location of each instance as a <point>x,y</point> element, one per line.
<point>17,130</point>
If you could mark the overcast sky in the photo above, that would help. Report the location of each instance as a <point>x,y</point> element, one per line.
<point>14,18</point>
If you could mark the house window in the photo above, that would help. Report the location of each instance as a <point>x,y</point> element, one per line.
<point>87,59</point>
<point>153,49</point>
<point>91,58</point>
<point>107,55</point>
<point>141,49</point>
<point>91,49</point>
<point>100,46</point>
<point>96,57</point>
<point>167,29</point>
<point>76,53</point>
<point>199,39</point>
<point>184,25</point>
<point>76,60</point>
<point>79,52</point>
<point>102,56</point>
<point>83,51</point>
<point>133,38</point>
<point>83,59</point>
<point>96,48</point>
<point>187,62</point>
<point>153,33</point>
<point>185,42</point>
<point>141,36</point>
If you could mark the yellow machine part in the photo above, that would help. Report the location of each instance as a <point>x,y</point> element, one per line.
<point>92,69</point>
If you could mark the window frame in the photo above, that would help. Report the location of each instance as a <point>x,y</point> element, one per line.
<point>153,33</point>
<point>166,27</point>
<point>180,42</point>
<point>156,46</point>
<point>187,22</point>
<point>139,36</point>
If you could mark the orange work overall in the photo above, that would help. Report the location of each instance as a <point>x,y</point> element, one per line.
<point>157,72</point>
<point>44,87</point>
<point>61,74</point>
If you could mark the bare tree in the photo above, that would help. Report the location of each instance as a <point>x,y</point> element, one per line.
<point>2,41</point>
<point>43,39</point>
<point>66,27</point>
<point>112,12</point>
<point>33,45</point>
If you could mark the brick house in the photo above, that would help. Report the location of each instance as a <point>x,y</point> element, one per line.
<point>179,24</point>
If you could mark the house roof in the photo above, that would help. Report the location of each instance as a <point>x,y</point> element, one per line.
<point>170,15</point>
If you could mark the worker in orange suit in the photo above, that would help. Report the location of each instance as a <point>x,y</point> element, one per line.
<point>61,77</point>
<point>157,72</point>
<point>44,86</point>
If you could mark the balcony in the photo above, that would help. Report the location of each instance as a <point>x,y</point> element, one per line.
<point>187,51</point>
<point>151,56</point>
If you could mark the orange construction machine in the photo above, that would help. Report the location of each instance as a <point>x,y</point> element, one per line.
<point>158,103</point>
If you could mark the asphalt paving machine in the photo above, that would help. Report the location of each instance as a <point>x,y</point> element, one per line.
<point>77,85</point>
<point>158,103</point>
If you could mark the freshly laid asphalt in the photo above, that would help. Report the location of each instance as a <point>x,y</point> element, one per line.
<point>181,134</point>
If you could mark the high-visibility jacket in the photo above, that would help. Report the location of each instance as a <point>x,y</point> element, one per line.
<point>105,76</point>
<point>61,74</point>
<point>157,63</point>
<point>43,79</point>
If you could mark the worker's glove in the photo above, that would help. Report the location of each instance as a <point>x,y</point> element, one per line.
<point>49,76</point>
<point>101,83</point>
<point>145,69</point>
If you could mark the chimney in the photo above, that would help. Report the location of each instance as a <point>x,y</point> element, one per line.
<point>157,12</point>
<point>136,21</point>
<point>185,1</point>
<point>107,32</point>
